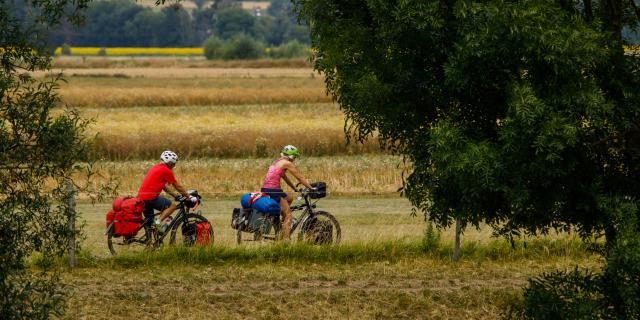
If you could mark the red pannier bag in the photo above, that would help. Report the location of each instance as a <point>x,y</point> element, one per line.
<point>117,203</point>
<point>111,215</point>
<point>126,216</point>
<point>127,224</point>
<point>133,205</point>
<point>203,233</point>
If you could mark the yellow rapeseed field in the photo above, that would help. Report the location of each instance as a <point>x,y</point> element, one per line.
<point>94,51</point>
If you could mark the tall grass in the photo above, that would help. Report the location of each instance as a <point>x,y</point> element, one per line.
<point>226,132</point>
<point>353,253</point>
<point>237,143</point>
<point>344,175</point>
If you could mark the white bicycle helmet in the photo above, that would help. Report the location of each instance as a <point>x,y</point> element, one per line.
<point>290,152</point>
<point>169,157</point>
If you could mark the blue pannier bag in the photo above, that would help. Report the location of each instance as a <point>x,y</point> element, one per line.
<point>260,202</point>
<point>267,205</point>
<point>245,201</point>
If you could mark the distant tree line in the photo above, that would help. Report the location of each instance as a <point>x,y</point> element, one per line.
<point>124,23</point>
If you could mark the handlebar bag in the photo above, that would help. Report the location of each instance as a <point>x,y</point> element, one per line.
<point>321,192</point>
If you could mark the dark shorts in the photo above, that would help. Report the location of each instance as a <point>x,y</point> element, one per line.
<point>159,203</point>
<point>275,194</point>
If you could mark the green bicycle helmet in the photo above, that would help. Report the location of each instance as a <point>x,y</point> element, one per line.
<point>290,152</point>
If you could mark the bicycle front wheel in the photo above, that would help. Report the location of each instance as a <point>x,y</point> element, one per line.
<point>187,232</point>
<point>321,228</point>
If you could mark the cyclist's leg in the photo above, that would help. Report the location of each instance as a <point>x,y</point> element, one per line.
<point>167,211</point>
<point>159,204</point>
<point>148,213</point>
<point>285,210</point>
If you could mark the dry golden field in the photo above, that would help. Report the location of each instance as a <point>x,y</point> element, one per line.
<point>344,175</point>
<point>231,112</point>
<point>222,131</point>
<point>179,87</point>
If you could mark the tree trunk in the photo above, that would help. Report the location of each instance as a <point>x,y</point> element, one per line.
<point>456,248</point>
<point>613,19</point>
<point>588,10</point>
<point>71,214</point>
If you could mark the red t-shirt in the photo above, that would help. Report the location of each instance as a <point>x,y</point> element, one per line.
<point>157,177</point>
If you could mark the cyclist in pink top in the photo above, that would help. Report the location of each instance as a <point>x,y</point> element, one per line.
<point>271,184</point>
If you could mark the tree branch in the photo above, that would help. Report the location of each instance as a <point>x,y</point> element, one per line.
<point>635,8</point>
<point>588,8</point>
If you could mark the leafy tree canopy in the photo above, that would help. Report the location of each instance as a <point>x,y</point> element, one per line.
<point>519,114</point>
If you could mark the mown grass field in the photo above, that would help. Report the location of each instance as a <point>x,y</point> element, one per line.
<point>228,121</point>
<point>381,271</point>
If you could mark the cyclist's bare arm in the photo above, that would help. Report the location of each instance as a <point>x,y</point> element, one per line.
<point>288,181</point>
<point>294,171</point>
<point>178,187</point>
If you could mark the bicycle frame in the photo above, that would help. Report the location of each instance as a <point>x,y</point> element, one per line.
<point>182,213</point>
<point>307,212</point>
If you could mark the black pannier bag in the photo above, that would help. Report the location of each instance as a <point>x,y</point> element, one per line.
<point>321,191</point>
<point>240,218</point>
<point>258,221</point>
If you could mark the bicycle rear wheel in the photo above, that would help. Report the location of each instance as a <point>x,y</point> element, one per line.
<point>269,232</point>
<point>321,228</point>
<point>186,232</point>
<point>129,244</point>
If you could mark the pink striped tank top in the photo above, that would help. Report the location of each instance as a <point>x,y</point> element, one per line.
<point>272,179</point>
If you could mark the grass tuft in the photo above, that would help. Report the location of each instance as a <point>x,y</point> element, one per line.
<point>353,253</point>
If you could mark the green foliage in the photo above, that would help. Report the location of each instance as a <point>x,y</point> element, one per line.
<point>233,21</point>
<point>563,295</point>
<point>612,294</point>
<point>511,113</point>
<point>291,49</point>
<point>242,46</point>
<point>519,114</point>
<point>213,48</point>
<point>431,238</point>
<point>124,23</point>
<point>39,149</point>
<point>65,50</point>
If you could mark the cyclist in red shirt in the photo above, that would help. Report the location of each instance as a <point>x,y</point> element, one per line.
<point>158,178</point>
